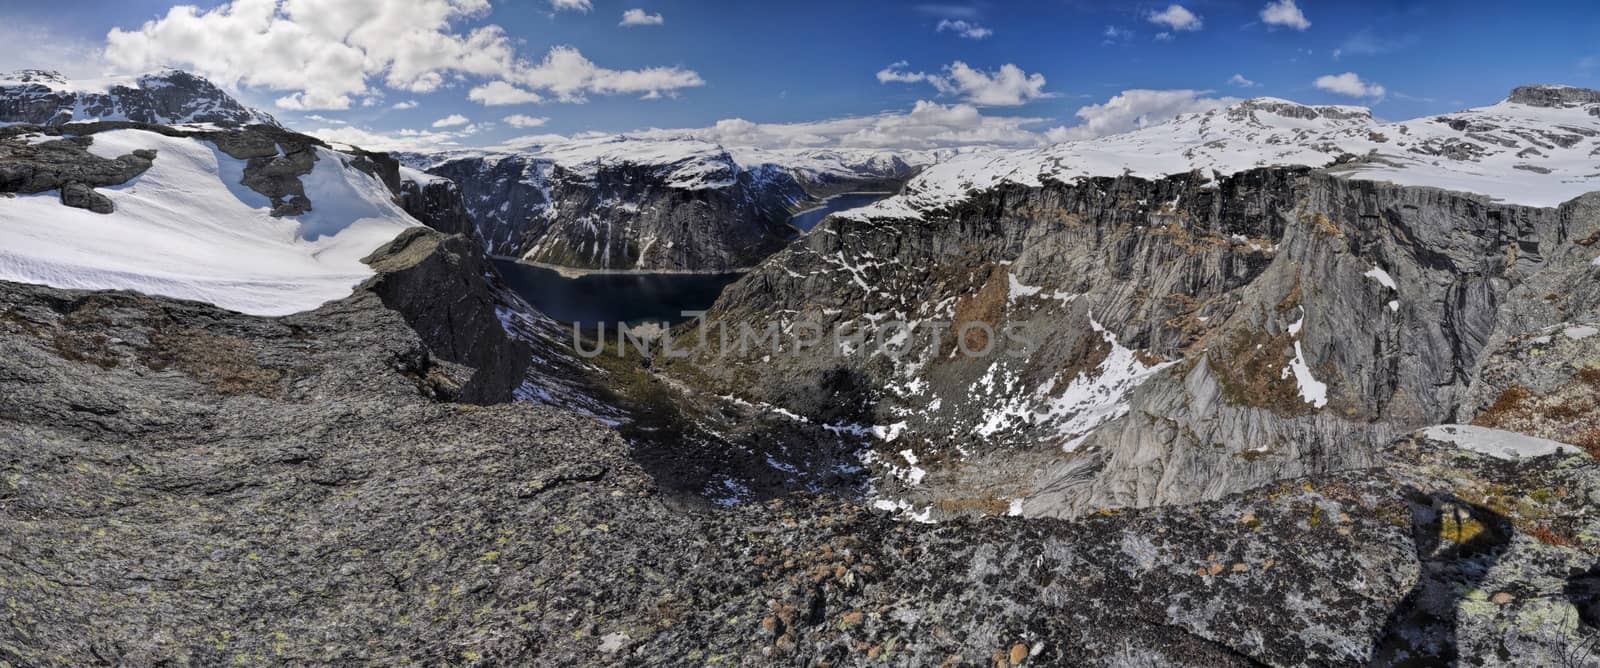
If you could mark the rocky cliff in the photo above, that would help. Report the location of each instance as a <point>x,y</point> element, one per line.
<point>1157,341</point>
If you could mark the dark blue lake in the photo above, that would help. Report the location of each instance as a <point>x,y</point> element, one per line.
<point>633,298</point>
<point>809,219</point>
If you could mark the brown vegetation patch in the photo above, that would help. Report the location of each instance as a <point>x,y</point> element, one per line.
<point>227,364</point>
<point>1570,413</point>
<point>1249,365</point>
<point>986,305</point>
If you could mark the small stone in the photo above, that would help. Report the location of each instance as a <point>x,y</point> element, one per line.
<point>1240,567</point>
<point>1214,569</point>
<point>1019,652</point>
<point>851,619</point>
<point>1502,598</point>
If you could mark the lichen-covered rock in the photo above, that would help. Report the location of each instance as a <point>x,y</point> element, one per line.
<point>186,485</point>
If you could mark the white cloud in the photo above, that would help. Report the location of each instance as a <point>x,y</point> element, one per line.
<point>1006,87</point>
<point>1176,17</point>
<point>964,28</point>
<point>1163,37</point>
<point>327,54</point>
<point>47,50</point>
<point>408,104</point>
<point>1351,85</point>
<point>1240,81</point>
<point>451,121</point>
<point>525,121</point>
<point>637,17</point>
<point>570,76</point>
<point>1284,13</point>
<point>402,140</point>
<point>324,119</point>
<point>500,93</point>
<point>1114,34</point>
<point>584,6</point>
<point>324,50</point>
<point>1137,108</point>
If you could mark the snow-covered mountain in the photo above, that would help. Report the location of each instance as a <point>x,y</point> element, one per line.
<point>192,195</point>
<point>622,202</point>
<point>1540,146</point>
<point>167,97</point>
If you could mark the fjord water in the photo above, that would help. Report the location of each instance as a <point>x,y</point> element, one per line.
<point>612,298</point>
<point>633,298</point>
<point>806,220</point>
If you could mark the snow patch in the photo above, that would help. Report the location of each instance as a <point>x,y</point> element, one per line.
<point>185,229</point>
<point>1496,443</point>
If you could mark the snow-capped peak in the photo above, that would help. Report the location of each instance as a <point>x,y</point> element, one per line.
<point>164,97</point>
<point>1539,147</point>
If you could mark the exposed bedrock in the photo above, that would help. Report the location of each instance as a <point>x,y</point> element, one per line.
<point>1190,337</point>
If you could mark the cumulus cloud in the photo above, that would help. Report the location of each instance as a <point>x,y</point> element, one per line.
<point>500,93</point>
<point>638,17</point>
<point>1137,108</point>
<point>1008,86</point>
<point>1284,13</point>
<point>1240,81</point>
<point>571,77</point>
<point>584,6</point>
<point>964,28</point>
<point>451,121</point>
<point>525,121</point>
<point>324,50</point>
<point>325,54</point>
<point>1351,85</point>
<point>1176,17</point>
<point>408,104</point>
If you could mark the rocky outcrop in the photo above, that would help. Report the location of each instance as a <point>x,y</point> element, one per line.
<point>1170,340</point>
<point>32,163</point>
<point>437,203</point>
<point>186,485</point>
<point>1554,96</point>
<point>168,97</point>
<point>437,283</point>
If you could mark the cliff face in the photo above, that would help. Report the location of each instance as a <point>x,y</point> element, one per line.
<point>622,216</point>
<point>1185,338</point>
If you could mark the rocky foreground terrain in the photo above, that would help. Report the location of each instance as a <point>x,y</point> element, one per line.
<point>181,484</point>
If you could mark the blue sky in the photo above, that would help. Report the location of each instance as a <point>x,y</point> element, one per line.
<point>785,62</point>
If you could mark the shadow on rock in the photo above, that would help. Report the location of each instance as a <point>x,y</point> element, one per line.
<point>1457,544</point>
